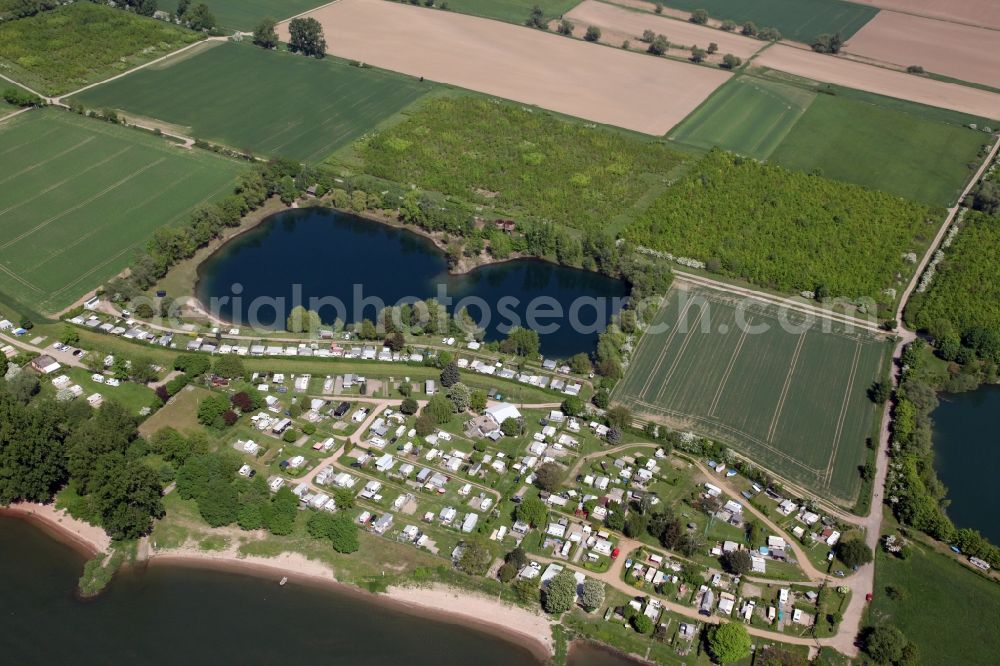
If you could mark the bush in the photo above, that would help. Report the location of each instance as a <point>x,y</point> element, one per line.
<point>290,436</point>
<point>729,642</point>
<point>593,33</point>
<point>854,552</point>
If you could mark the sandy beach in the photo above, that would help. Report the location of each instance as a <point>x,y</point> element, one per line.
<point>62,526</point>
<point>439,602</point>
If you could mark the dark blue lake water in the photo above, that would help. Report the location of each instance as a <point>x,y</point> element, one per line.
<point>318,253</point>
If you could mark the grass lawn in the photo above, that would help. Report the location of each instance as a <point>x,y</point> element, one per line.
<point>512,11</point>
<point>891,150</point>
<point>244,15</point>
<point>951,613</point>
<point>747,115</point>
<point>519,160</point>
<point>794,402</point>
<point>801,20</point>
<point>270,103</point>
<point>75,207</point>
<point>130,395</point>
<point>60,50</point>
<point>181,413</point>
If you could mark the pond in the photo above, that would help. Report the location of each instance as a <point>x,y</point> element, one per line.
<point>347,268</point>
<point>967,457</point>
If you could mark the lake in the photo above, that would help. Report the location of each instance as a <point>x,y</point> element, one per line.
<point>180,615</point>
<point>357,265</point>
<point>967,457</point>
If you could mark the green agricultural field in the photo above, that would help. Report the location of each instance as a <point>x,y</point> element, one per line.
<point>791,397</point>
<point>951,613</point>
<point>786,230</point>
<point>747,115</point>
<point>524,161</point>
<point>801,20</point>
<point>512,11</point>
<point>264,102</point>
<point>75,206</point>
<point>232,15</point>
<point>58,51</point>
<point>898,147</point>
<point>887,149</point>
<point>964,293</point>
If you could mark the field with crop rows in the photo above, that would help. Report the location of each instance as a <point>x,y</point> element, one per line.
<point>244,15</point>
<point>790,395</point>
<point>274,104</point>
<point>87,194</point>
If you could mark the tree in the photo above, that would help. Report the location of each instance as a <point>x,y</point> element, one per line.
<point>729,61</point>
<point>425,423</point>
<point>737,562</point>
<point>593,33</point>
<point>69,336</point>
<point>560,595</point>
<point>729,642</point>
<point>854,552</point>
<point>264,35</point>
<point>475,559</point>
<point>580,364</point>
<point>4,366</point>
<point>884,644</point>
<point>344,534</point>
<point>522,342</point>
<point>572,405</point>
<point>128,495</point>
<point>914,69</point>
<point>620,417</point>
<point>635,524</point>
<point>200,18</point>
<point>749,29</point>
<point>532,511</point>
<point>549,476</point>
<point>460,396</point>
<point>769,34</point>
<point>512,427</point>
<point>395,341</point>
<point>879,392</point>
<point>279,517</point>
<point>506,572</point>
<point>647,36</point>
<point>192,364</point>
<point>32,459</point>
<point>699,16</point>
<point>697,55</point>
<point>601,399</point>
<point>409,406</point>
<point>301,320</point>
<point>450,374</point>
<point>306,37</point>
<point>565,27</point>
<point>712,48</point>
<point>728,25</point>
<point>659,45</point>
<point>211,409</point>
<point>477,401</point>
<point>537,19</point>
<point>642,623</point>
<point>616,520</point>
<point>827,43</point>
<point>592,595</point>
<point>229,366</point>
<point>440,409</point>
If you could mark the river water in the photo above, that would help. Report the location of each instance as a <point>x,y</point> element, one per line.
<point>331,255</point>
<point>182,615</point>
<point>967,457</point>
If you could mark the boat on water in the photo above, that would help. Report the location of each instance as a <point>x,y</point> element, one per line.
<point>283,580</point>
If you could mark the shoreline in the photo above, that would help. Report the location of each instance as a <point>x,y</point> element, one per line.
<point>57,523</point>
<point>467,609</point>
<point>437,602</point>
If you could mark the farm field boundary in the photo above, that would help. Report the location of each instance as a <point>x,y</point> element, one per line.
<point>75,207</point>
<point>985,13</point>
<point>799,20</point>
<point>786,390</point>
<point>843,72</point>
<point>589,81</point>
<point>267,103</point>
<point>960,51</point>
